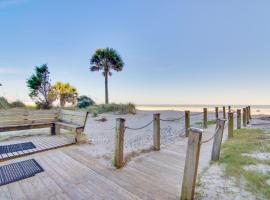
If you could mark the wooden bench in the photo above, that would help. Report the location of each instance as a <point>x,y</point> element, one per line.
<point>15,120</point>
<point>74,121</point>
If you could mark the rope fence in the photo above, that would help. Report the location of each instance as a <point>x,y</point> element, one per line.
<point>186,117</point>
<point>243,118</point>
<point>172,120</point>
<point>139,128</point>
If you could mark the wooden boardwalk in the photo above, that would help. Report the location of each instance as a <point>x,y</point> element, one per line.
<point>42,143</point>
<point>72,173</point>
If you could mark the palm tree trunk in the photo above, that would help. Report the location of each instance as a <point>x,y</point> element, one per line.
<point>106,89</point>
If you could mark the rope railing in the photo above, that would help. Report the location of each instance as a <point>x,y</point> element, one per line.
<point>212,137</point>
<point>172,120</point>
<point>139,128</point>
<point>196,114</point>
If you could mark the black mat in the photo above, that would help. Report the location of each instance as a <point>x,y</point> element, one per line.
<point>16,147</point>
<point>18,171</point>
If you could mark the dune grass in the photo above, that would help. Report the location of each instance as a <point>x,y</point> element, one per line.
<point>209,122</point>
<point>247,141</point>
<point>115,108</point>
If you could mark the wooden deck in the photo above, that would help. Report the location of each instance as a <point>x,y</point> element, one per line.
<point>42,143</point>
<point>72,173</point>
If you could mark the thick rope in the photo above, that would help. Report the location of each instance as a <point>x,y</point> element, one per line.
<point>196,114</point>
<point>148,124</point>
<point>172,120</point>
<point>212,137</point>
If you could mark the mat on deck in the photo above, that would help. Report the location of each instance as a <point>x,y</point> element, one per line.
<point>18,171</point>
<point>16,147</point>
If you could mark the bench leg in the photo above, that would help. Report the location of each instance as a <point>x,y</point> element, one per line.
<point>80,137</point>
<point>57,130</point>
<point>53,129</point>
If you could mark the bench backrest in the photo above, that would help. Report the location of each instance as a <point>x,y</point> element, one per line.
<point>73,117</point>
<point>22,117</point>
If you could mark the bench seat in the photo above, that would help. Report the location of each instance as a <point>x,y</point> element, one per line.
<point>16,120</point>
<point>25,126</point>
<point>68,126</point>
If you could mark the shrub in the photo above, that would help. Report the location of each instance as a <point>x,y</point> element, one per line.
<point>4,103</point>
<point>95,114</point>
<point>116,108</point>
<point>84,102</point>
<point>17,104</point>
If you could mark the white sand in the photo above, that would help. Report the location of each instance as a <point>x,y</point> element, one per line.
<point>213,185</point>
<point>255,110</point>
<point>258,155</point>
<point>261,168</point>
<point>102,134</point>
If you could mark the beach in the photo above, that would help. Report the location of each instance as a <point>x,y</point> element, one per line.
<point>255,109</point>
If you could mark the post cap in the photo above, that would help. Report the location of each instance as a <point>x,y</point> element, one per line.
<point>195,130</point>
<point>120,119</point>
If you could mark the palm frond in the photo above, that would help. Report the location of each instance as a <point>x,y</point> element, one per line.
<point>106,59</point>
<point>94,68</point>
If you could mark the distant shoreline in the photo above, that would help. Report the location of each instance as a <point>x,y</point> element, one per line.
<point>255,109</point>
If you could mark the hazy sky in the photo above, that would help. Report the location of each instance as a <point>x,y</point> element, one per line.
<point>175,52</point>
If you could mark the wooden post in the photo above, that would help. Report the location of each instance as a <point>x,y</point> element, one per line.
<point>244,117</point>
<point>53,129</point>
<point>230,124</point>
<point>224,112</point>
<point>191,163</point>
<point>239,121</point>
<point>205,120</point>
<point>187,122</point>
<point>119,143</point>
<point>218,139</point>
<point>249,112</point>
<point>57,129</point>
<point>247,115</point>
<point>156,128</point>
<point>229,108</point>
<point>216,109</point>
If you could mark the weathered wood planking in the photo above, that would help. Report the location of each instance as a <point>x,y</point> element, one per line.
<point>21,117</point>
<point>73,117</point>
<point>42,143</point>
<point>27,119</point>
<point>73,173</point>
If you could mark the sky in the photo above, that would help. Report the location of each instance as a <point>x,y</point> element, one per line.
<point>175,51</point>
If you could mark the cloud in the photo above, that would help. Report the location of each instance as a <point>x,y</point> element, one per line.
<point>8,3</point>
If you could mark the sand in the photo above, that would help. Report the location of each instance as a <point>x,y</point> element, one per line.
<point>102,134</point>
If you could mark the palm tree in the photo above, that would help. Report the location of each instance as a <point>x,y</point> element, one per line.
<point>106,60</point>
<point>65,92</point>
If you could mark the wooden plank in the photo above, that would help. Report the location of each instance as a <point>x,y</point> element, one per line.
<point>16,191</point>
<point>25,127</point>
<point>4,193</point>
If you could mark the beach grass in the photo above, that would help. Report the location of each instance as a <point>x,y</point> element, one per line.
<point>247,141</point>
<point>128,108</point>
<point>209,122</point>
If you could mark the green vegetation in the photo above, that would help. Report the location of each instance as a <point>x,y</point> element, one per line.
<point>39,85</point>
<point>209,122</point>
<point>84,102</point>
<point>116,108</point>
<point>65,92</point>
<point>247,141</point>
<point>106,60</point>
<point>121,109</point>
<point>4,104</point>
